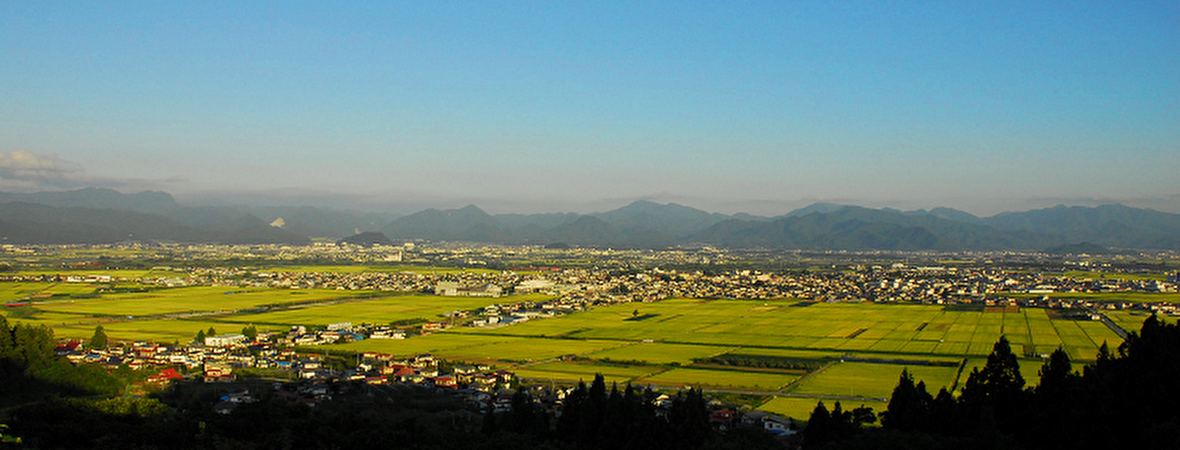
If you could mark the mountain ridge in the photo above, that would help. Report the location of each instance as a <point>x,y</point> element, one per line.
<point>102,215</point>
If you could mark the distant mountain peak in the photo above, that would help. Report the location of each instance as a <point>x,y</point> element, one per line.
<point>471,208</point>
<point>642,202</point>
<point>367,239</point>
<point>817,207</point>
<point>98,198</point>
<point>249,221</point>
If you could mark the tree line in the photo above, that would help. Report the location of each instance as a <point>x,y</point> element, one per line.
<point>594,418</point>
<point>30,369</point>
<point>1125,399</point>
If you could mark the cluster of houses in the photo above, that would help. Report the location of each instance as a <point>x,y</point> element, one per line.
<point>577,286</point>
<point>479,388</point>
<point>425,370</point>
<point>213,361</point>
<point>496,315</point>
<point>339,332</point>
<point>336,332</point>
<point>218,359</point>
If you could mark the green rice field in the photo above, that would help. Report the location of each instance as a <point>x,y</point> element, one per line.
<point>1091,275</point>
<point>662,343</point>
<point>441,344</point>
<point>170,330</point>
<point>528,350</point>
<point>1029,369</point>
<point>713,378</point>
<point>575,372</point>
<point>382,310</point>
<point>903,331</point>
<point>187,300</point>
<point>1135,297</point>
<point>1130,320</point>
<point>856,379</point>
<point>800,408</point>
<point>656,353</point>
<point>15,292</point>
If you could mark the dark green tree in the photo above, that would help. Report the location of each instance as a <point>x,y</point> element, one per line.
<point>943,414</point>
<point>251,333</point>
<point>99,339</point>
<point>34,346</point>
<point>1120,401</point>
<point>7,346</point>
<point>818,431</point>
<point>840,425</point>
<point>1104,354</point>
<point>593,412</point>
<point>200,339</point>
<point>617,418</point>
<point>1056,374</point>
<point>999,380</point>
<point>489,426</point>
<point>574,407</point>
<point>863,415</point>
<point>908,406</point>
<point>524,413</point>
<point>689,419</point>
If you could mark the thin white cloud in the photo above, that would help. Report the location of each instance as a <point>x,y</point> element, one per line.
<point>21,165</point>
<point>21,170</point>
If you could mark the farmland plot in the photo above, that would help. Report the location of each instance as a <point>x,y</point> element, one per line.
<point>800,409</point>
<point>855,379</point>
<point>733,379</point>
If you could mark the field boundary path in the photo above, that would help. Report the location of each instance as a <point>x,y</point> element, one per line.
<point>803,378</point>
<point>770,393</point>
<point>622,344</point>
<point>1113,326</point>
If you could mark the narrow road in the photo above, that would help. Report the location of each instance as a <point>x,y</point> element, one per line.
<point>1113,327</point>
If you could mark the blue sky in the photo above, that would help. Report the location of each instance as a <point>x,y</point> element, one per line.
<point>756,107</point>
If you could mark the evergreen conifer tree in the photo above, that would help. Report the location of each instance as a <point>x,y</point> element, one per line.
<point>99,339</point>
<point>1000,378</point>
<point>819,425</point>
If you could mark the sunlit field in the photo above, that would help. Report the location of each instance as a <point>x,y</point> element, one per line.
<point>1090,275</point>
<point>855,379</point>
<point>164,330</point>
<point>1130,321</point>
<point>667,343</point>
<point>189,299</point>
<point>374,311</point>
<point>575,372</point>
<point>656,353</point>
<point>800,408</point>
<point>903,331</point>
<point>527,350</point>
<point>1134,297</point>
<point>16,292</point>
<point>722,379</point>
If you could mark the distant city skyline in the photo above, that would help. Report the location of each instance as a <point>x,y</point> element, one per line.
<point>758,107</point>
